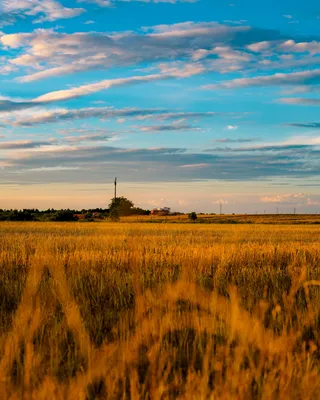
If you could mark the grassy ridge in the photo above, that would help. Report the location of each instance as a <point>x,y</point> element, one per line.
<point>107,310</point>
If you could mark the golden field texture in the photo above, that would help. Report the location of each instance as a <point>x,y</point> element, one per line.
<point>159,311</point>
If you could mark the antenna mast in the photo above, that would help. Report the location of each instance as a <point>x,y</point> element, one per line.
<point>115,188</point>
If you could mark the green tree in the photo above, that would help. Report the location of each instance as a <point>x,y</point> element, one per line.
<point>64,216</point>
<point>121,206</point>
<point>192,216</point>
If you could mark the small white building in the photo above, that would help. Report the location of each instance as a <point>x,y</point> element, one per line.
<point>161,211</point>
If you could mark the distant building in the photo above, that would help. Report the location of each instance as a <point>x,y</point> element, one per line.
<point>96,215</point>
<point>79,216</point>
<point>161,211</point>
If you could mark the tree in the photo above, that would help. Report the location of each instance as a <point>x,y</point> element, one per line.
<point>121,206</point>
<point>192,216</point>
<point>114,215</point>
<point>24,215</point>
<point>64,216</point>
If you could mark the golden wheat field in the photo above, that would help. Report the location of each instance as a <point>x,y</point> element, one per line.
<point>159,311</point>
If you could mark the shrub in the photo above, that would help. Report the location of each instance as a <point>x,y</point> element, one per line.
<point>192,216</point>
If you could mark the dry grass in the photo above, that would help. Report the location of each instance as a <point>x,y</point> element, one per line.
<point>267,219</point>
<point>159,311</point>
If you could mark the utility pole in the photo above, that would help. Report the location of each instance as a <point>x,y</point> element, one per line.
<point>277,210</point>
<point>115,188</point>
<point>294,211</point>
<point>220,208</point>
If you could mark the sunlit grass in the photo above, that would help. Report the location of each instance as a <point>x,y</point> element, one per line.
<point>129,310</point>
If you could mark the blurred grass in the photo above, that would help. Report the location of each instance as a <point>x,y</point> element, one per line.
<point>129,310</point>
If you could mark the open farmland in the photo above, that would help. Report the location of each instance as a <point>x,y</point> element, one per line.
<point>159,311</point>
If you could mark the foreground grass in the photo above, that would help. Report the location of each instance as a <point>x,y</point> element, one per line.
<point>106,310</point>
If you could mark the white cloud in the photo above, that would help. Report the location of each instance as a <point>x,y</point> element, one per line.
<point>221,201</point>
<point>284,198</point>
<point>260,46</point>
<point>297,199</point>
<point>46,53</point>
<point>193,47</point>
<point>232,127</point>
<point>195,166</point>
<point>44,10</point>
<point>312,47</point>
<point>85,90</point>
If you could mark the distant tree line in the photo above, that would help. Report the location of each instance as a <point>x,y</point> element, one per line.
<point>119,207</point>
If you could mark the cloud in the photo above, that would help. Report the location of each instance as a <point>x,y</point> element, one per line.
<point>9,105</point>
<point>168,128</point>
<point>283,198</point>
<point>260,46</point>
<point>193,166</point>
<point>232,127</point>
<point>94,137</point>
<point>45,53</point>
<point>282,79</point>
<point>312,47</point>
<point>84,90</point>
<point>300,101</point>
<point>98,163</point>
<point>292,199</point>
<point>244,140</point>
<point>311,125</point>
<point>44,10</point>
<point>265,149</point>
<point>61,115</point>
<point>24,144</point>
<point>221,201</point>
<point>110,3</point>
<point>51,53</point>
<point>313,202</point>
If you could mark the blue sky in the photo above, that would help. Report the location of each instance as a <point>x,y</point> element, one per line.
<point>189,103</point>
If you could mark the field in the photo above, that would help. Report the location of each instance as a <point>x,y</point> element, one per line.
<point>159,311</point>
<point>269,219</point>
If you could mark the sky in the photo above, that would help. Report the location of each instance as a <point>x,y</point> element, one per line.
<point>190,103</point>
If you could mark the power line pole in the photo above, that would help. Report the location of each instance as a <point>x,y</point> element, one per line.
<point>294,211</point>
<point>220,208</point>
<point>115,188</point>
<point>277,210</point>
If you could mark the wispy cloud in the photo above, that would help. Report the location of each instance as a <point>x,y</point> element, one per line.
<point>168,128</point>
<point>281,79</point>
<point>88,138</point>
<point>43,116</point>
<point>300,101</point>
<point>311,125</point>
<point>24,144</point>
<point>195,166</point>
<point>239,140</point>
<point>109,3</point>
<point>281,148</point>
